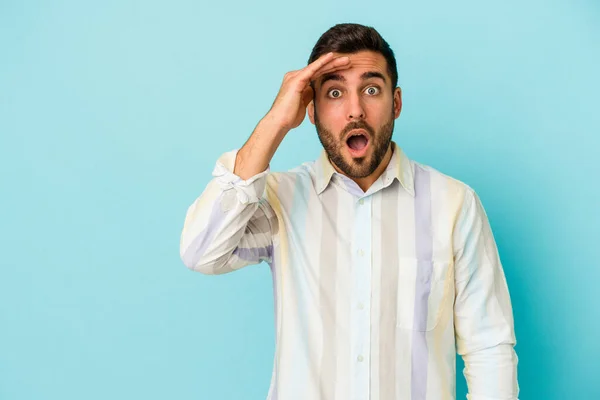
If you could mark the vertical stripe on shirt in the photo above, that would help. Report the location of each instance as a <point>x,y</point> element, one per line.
<point>388,296</point>
<point>328,294</point>
<point>273,390</point>
<point>278,280</point>
<point>200,243</point>
<point>424,249</point>
<point>300,295</point>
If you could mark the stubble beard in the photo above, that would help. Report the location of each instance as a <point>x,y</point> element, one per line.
<point>363,166</point>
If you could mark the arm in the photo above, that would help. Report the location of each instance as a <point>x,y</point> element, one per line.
<point>286,113</point>
<point>483,317</point>
<point>231,224</point>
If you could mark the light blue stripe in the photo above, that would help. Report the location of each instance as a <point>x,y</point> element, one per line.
<point>254,253</point>
<point>196,249</point>
<point>388,290</point>
<point>424,250</point>
<point>352,186</point>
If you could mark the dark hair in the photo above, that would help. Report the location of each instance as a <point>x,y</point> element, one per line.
<point>351,38</point>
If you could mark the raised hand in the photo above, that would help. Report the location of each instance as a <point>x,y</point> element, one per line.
<point>289,107</point>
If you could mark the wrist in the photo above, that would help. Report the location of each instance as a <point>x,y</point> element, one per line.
<point>274,125</point>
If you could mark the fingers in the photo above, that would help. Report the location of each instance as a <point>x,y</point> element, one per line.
<point>317,64</point>
<point>334,65</point>
<point>324,64</point>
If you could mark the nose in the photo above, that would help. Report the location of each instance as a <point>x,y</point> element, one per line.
<point>355,108</point>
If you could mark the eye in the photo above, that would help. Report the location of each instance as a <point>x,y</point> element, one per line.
<point>372,90</point>
<point>335,93</point>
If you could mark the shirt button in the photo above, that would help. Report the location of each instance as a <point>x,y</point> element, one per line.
<point>360,252</point>
<point>361,306</point>
<point>360,358</point>
<point>361,202</point>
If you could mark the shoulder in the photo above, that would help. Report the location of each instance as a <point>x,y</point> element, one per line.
<point>284,186</point>
<point>441,183</point>
<point>300,175</point>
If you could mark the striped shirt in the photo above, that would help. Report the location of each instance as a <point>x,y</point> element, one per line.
<point>375,292</point>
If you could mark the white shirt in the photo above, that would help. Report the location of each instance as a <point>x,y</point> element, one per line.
<point>375,292</point>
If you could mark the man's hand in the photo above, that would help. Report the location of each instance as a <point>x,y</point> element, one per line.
<point>289,107</point>
<point>286,113</point>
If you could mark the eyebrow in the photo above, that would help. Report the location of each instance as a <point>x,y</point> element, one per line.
<point>332,76</point>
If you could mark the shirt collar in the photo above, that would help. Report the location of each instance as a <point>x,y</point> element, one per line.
<point>399,168</point>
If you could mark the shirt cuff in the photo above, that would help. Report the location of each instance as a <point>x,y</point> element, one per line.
<point>247,191</point>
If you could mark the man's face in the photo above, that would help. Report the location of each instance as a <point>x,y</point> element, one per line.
<point>354,110</point>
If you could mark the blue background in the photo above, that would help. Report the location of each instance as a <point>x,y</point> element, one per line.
<point>113,113</point>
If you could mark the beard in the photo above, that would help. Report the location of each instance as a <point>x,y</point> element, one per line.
<point>358,167</point>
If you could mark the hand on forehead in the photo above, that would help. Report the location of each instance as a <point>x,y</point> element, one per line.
<point>365,58</point>
<point>359,63</point>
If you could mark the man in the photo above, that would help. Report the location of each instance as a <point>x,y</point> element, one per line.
<point>383,268</point>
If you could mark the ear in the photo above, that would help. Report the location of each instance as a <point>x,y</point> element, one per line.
<point>311,111</point>
<point>397,102</point>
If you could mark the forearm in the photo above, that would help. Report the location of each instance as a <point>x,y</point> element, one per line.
<point>256,154</point>
<point>483,319</point>
<point>220,221</point>
<point>286,113</point>
<point>491,373</point>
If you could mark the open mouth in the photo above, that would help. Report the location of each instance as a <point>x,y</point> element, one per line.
<point>357,143</point>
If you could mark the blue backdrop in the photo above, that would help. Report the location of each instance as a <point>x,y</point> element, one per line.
<point>113,113</point>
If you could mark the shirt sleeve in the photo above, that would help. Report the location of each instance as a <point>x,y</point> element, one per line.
<point>231,224</point>
<point>484,327</point>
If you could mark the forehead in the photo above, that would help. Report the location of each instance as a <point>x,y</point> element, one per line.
<point>365,59</point>
<point>360,62</point>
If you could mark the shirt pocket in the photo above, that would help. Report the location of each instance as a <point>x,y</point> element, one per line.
<point>423,295</point>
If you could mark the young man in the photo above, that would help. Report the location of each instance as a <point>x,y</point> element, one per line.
<point>382,267</point>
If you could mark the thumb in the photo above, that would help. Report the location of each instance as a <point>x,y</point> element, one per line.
<point>307,95</point>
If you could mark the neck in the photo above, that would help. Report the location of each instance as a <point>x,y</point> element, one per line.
<point>366,182</point>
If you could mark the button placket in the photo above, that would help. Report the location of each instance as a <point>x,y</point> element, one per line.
<point>361,291</point>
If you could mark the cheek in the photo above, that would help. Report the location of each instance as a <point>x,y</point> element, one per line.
<point>332,116</point>
<point>331,109</point>
<point>379,113</point>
